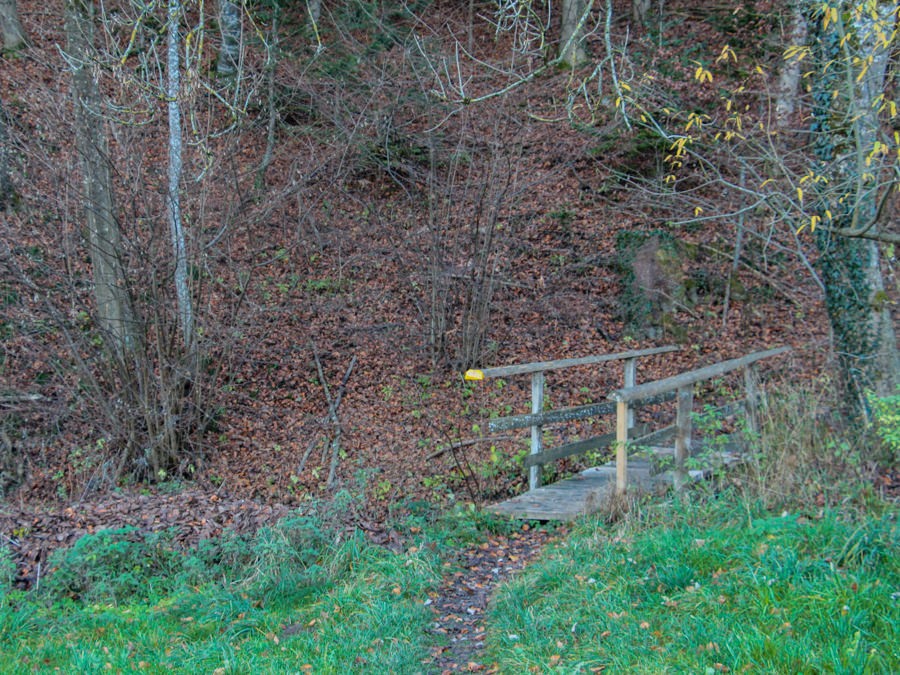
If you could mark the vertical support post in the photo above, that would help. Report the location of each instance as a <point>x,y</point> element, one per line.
<point>752,394</point>
<point>630,381</point>
<point>685,402</point>
<point>622,413</point>
<point>537,405</point>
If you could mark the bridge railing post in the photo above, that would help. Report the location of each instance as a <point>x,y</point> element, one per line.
<point>537,431</point>
<point>683,428</point>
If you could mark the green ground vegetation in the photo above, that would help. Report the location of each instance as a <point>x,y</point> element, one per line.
<point>790,566</point>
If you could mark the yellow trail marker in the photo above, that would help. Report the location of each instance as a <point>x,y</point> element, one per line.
<point>474,375</point>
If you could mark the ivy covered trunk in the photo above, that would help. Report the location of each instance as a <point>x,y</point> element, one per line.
<point>847,131</point>
<point>863,336</point>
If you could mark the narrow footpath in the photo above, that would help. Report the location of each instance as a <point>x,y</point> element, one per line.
<point>460,603</point>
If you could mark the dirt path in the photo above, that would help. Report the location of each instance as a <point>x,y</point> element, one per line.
<point>460,603</point>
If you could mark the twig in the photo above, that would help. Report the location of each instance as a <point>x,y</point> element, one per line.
<point>333,405</point>
<point>767,279</point>
<point>463,444</point>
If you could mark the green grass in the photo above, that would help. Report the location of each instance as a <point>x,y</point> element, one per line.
<point>287,600</point>
<point>794,568</point>
<point>709,587</point>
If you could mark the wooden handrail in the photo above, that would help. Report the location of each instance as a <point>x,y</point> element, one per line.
<point>683,385</point>
<point>539,416</point>
<point>579,412</point>
<point>544,366</point>
<point>669,384</point>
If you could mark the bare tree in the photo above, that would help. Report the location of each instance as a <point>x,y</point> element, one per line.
<point>114,312</point>
<point>173,197</point>
<point>6,187</point>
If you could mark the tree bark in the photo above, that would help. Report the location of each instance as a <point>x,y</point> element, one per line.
<point>571,39</point>
<point>864,337</point>
<point>114,311</point>
<point>14,37</point>
<point>639,11</point>
<point>7,193</point>
<point>789,77</point>
<point>173,197</point>
<point>230,28</point>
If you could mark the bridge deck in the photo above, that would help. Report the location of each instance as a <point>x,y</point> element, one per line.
<point>588,491</point>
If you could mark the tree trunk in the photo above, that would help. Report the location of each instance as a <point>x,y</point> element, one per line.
<point>114,312</point>
<point>864,337</point>
<point>571,42</point>
<point>789,78</point>
<point>13,34</point>
<point>173,198</point>
<point>230,29</point>
<point>639,11</point>
<point>7,193</point>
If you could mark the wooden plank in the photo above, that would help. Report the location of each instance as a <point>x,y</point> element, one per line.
<point>560,415</point>
<point>691,377</point>
<point>559,364</point>
<point>576,496</point>
<point>578,447</point>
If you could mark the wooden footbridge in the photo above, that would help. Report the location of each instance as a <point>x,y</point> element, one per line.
<point>588,491</point>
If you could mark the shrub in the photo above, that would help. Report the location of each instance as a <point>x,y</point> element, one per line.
<point>7,571</point>
<point>115,565</point>
<point>886,414</point>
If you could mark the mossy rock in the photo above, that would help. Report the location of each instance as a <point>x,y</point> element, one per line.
<point>651,266</point>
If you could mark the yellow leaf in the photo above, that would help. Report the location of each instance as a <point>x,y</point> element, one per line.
<point>800,194</point>
<point>698,210</point>
<point>726,52</point>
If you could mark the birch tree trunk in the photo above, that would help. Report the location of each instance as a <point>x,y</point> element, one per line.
<point>572,32</point>
<point>114,311</point>
<point>173,197</point>
<point>13,34</point>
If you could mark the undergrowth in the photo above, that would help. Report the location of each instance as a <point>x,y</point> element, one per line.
<point>789,566</point>
<point>296,597</point>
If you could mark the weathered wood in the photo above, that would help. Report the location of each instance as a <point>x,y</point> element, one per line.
<point>683,435</point>
<point>656,437</point>
<point>630,381</point>
<point>543,366</point>
<point>691,377</point>
<point>537,405</point>
<point>621,447</point>
<point>579,495</point>
<point>752,401</point>
<point>578,447</point>
<point>568,414</point>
